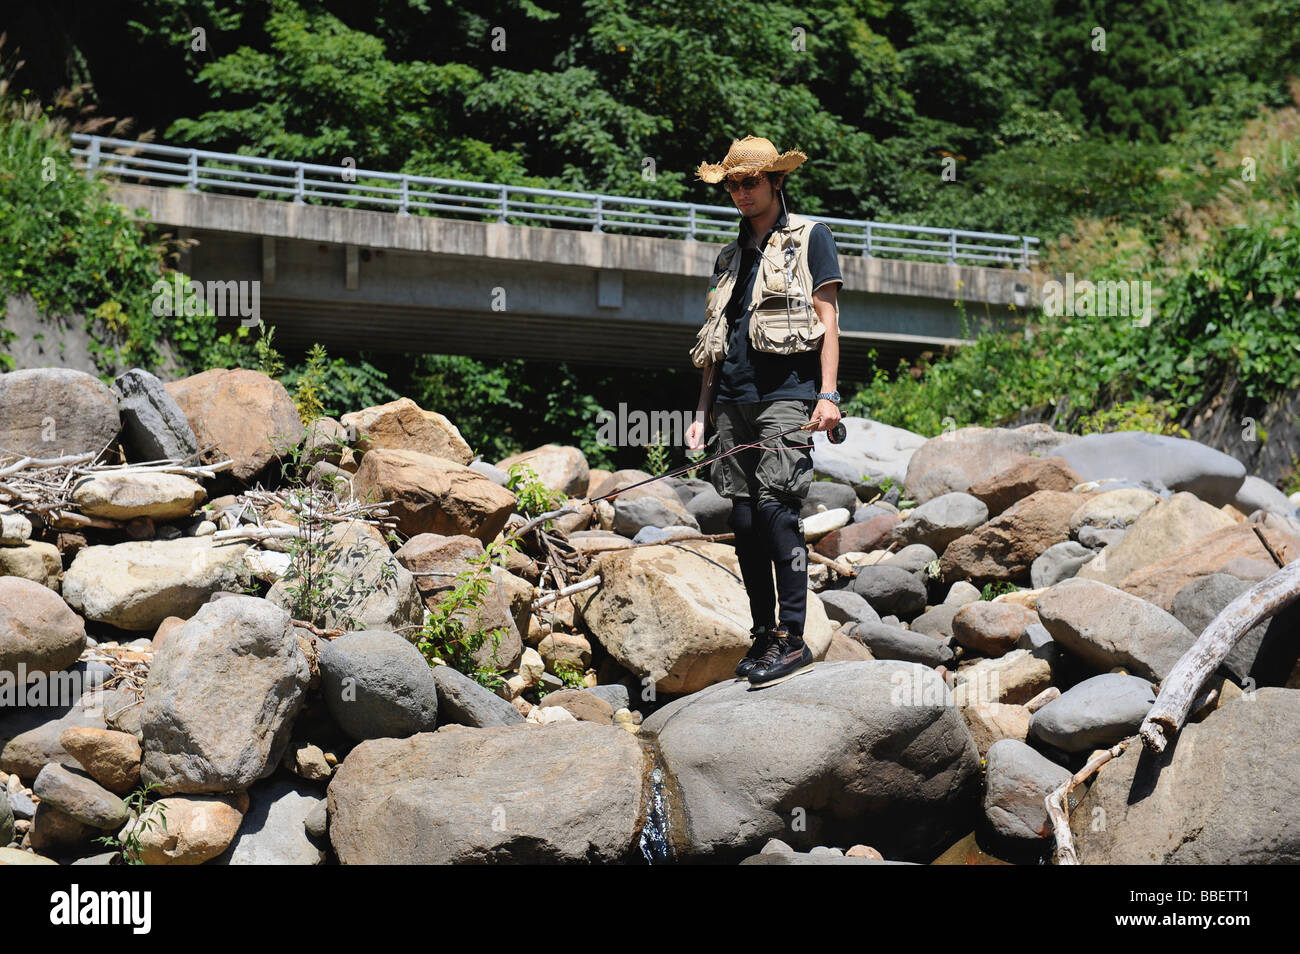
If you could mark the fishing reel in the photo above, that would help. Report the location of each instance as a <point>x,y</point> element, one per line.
<point>837,434</point>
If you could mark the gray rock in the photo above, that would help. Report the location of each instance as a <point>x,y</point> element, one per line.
<point>913,558</point>
<point>631,515</point>
<point>221,698</point>
<point>274,829</point>
<point>1176,462</point>
<point>29,735</point>
<point>936,622</point>
<point>1038,641</point>
<point>852,752</point>
<point>1058,562</point>
<point>571,792</point>
<point>1223,794</point>
<point>377,685</point>
<point>37,629</point>
<point>153,425</point>
<point>711,510</point>
<point>1017,780</point>
<point>688,488</point>
<point>845,606</point>
<point>961,593</point>
<point>890,589</point>
<point>830,495</point>
<point>78,795</point>
<point>7,819</point>
<point>1096,713</point>
<point>871,453</point>
<point>941,520</point>
<point>660,534</point>
<point>103,858</point>
<point>50,412</point>
<point>20,806</point>
<point>1258,494</point>
<point>1266,653</point>
<point>317,821</point>
<point>614,693</point>
<point>1106,627</point>
<point>1097,538</point>
<point>871,511</point>
<point>893,642</point>
<point>495,474</point>
<point>464,702</point>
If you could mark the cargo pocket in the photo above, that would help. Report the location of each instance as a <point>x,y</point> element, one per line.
<point>774,331</point>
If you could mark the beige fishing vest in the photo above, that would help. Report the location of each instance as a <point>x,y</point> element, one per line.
<point>782,318</point>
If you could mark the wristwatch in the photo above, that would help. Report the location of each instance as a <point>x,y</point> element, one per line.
<point>832,396</point>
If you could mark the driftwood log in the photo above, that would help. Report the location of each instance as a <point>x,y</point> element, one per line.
<point>1179,690</point>
<point>1058,803</point>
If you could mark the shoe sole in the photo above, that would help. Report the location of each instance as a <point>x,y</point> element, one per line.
<point>780,679</point>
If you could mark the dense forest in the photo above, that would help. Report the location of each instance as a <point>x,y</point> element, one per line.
<point>1113,129</point>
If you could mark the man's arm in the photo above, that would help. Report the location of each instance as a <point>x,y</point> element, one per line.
<point>824,304</point>
<point>708,386</point>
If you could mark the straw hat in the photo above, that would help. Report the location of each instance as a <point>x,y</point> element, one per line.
<point>750,155</point>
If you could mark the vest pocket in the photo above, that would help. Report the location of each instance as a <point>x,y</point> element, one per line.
<point>775,331</point>
<point>710,343</point>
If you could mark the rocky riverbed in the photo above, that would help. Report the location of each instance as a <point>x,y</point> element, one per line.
<point>992,606</point>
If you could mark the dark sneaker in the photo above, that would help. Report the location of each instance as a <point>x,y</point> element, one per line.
<point>780,662</point>
<point>762,637</point>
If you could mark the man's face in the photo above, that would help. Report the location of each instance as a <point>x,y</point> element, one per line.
<point>755,201</point>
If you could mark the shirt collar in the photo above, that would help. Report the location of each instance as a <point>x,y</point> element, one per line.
<point>780,223</point>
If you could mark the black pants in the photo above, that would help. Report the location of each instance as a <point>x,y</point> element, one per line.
<point>767,489</point>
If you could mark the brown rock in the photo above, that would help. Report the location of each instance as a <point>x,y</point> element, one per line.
<point>199,827</point>
<point>956,460</point>
<point>404,425</point>
<point>559,467</point>
<point>583,706</point>
<point>565,649</point>
<point>846,648</point>
<point>165,628</point>
<point>37,629</point>
<point>991,628</point>
<point>33,560</point>
<point>1026,476</point>
<point>242,415</point>
<point>1006,546</point>
<point>433,494</point>
<point>991,722</point>
<point>1014,678</point>
<point>55,831</point>
<point>1165,529</point>
<point>858,537</point>
<point>111,758</point>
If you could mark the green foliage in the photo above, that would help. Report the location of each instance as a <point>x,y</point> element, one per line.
<point>1140,415</point>
<point>340,385</point>
<point>446,634</point>
<point>307,389</point>
<point>991,591</point>
<point>532,497</point>
<point>146,813</point>
<point>656,455</point>
<point>572,675</point>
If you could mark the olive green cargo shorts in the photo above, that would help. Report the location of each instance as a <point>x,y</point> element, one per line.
<point>784,473</point>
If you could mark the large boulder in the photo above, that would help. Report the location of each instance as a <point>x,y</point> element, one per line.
<point>433,494</point>
<point>50,412</point>
<point>678,614</point>
<point>1094,714</point>
<point>850,753</point>
<point>1026,476</point>
<point>138,585</point>
<point>378,685</point>
<point>571,792</point>
<point>125,496</point>
<point>153,425</point>
<point>221,698</point>
<point>1256,493</point>
<point>37,630</point>
<point>274,829</point>
<point>1006,547</point>
<point>558,466</point>
<point>355,583</point>
<point>1018,779</point>
<point>941,520</point>
<point>77,794</point>
<point>1267,652</point>
<point>1223,793</point>
<point>1161,531</point>
<point>1106,627</point>
<point>404,425</point>
<point>465,702</point>
<point>956,460</point>
<point>871,453</point>
<point>241,415</point>
<point>1178,463</point>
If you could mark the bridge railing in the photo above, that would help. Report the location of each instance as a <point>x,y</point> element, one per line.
<point>303,182</point>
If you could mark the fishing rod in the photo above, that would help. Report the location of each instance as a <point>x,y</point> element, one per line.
<point>836,435</point>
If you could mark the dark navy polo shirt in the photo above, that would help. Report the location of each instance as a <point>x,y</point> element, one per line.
<point>750,376</point>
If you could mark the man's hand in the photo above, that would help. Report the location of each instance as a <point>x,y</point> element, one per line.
<point>695,434</point>
<point>826,414</point>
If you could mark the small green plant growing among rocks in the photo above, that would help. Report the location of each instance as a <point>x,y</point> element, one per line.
<point>532,497</point>
<point>145,816</point>
<point>445,635</point>
<point>656,455</point>
<point>572,675</point>
<point>993,590</point>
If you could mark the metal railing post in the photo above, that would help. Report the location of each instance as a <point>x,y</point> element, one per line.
<point>1024,251</point>
<point>600,213</point>
<point>952,248</point>
<point>866,249</point>
<point>92,160</point>
<point>298,185</point>
<point>193,184</point>
<point>505,205</point>
<point>406,196</point>
<point>691,223</point>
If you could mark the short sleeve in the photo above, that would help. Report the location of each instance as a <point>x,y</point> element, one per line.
<point>823,258</point>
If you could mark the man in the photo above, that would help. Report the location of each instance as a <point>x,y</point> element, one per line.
<point>770,352</point>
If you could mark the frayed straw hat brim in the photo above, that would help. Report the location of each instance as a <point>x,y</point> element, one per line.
<point>749,156</point>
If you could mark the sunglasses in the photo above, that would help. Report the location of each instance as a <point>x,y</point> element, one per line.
<point>748,184</point>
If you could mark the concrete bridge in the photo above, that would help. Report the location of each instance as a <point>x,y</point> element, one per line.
<point>384,281</point>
